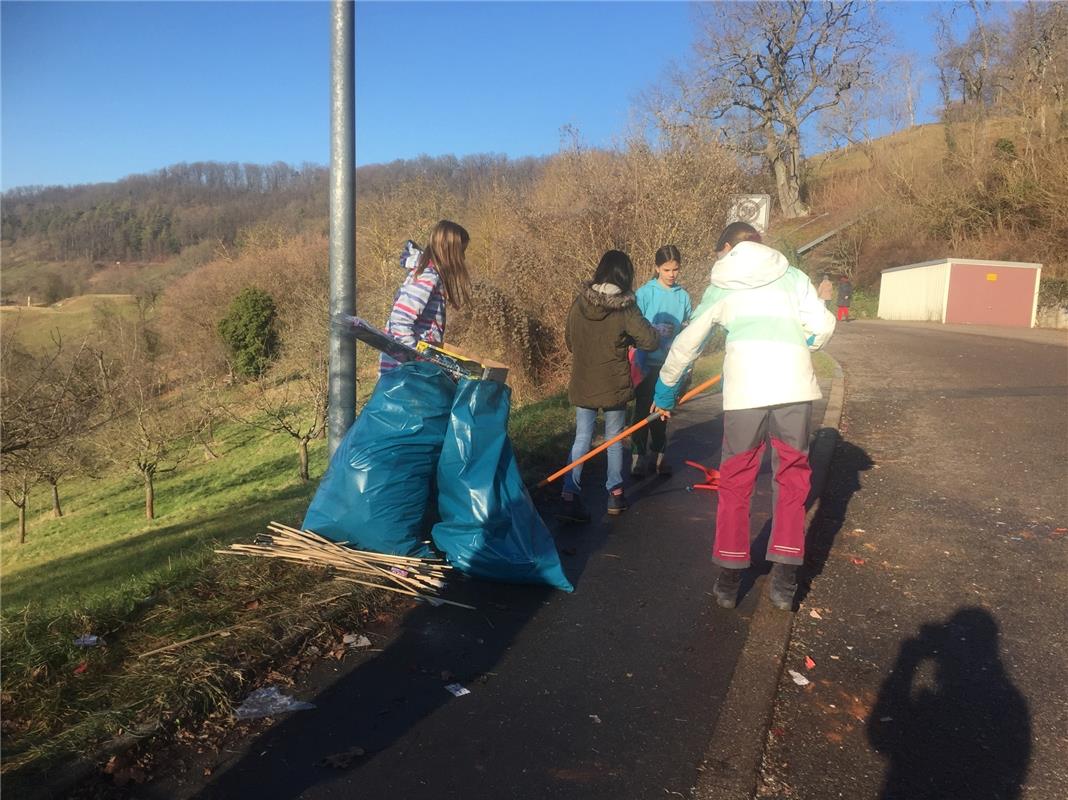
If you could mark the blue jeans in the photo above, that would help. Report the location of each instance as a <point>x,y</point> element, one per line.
<point>614,419</point>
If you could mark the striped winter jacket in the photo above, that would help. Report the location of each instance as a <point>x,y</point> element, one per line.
<point>418,312</point>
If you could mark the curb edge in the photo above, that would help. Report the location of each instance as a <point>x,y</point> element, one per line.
<point>733,757</point>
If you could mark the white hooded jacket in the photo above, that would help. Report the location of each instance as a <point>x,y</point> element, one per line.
<point>773,318</point>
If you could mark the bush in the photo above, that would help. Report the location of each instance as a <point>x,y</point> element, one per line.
<point>1053,292</point>
<point>249,331</point>
<point>865,304</point>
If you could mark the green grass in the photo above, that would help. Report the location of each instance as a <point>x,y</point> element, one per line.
<point>73,319</point>
<point>865,304</point>
<point>104,569</point>
<point>104,540</point>
<point>823,365</point>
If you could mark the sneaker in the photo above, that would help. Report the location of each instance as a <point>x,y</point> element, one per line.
<point>782,587</point>
<point>725,589</point>
<point>617,503</point>
<point>573,510</point>
<point>663,468</point>
<point>637,466</point>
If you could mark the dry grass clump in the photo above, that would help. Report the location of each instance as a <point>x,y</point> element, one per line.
<point>60,700</point>
<point>982,188</point>
<point>535,240</point>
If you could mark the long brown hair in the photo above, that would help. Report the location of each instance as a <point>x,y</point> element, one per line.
<point>448,242</point>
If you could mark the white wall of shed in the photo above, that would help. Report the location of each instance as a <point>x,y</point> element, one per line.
<point>918,293</point>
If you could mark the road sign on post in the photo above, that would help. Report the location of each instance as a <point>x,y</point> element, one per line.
<point>752,208</point>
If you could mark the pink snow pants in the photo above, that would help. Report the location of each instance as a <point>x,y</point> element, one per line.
<point>745,434</point>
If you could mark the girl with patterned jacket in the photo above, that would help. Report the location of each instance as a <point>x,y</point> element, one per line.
<point>773,318</point>
<point>439,278</point>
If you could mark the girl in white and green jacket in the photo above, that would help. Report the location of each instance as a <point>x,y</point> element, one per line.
<point>773,318</point>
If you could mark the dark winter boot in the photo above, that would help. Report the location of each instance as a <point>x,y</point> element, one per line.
<point>783,586</point>
<point>572,509</point>
<point>617,503</point>
<point>726,587</point>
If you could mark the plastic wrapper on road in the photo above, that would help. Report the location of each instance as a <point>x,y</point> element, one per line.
<point>489,526</point>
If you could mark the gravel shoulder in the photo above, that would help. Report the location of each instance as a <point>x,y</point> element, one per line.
<point>934,625</point>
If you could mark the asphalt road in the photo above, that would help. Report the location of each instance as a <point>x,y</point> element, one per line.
<point>940,588</point>
<point>610,692</point>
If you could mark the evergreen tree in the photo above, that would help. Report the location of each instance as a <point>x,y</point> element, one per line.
<point>249,331</point>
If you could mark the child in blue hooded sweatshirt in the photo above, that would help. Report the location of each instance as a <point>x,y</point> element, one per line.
<point>667,306</point>
<point>774,318</point>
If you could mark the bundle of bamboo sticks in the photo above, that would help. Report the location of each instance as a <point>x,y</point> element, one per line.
<point>421,578</point>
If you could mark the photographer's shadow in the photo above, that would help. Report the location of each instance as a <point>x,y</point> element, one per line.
<point>948,717</point>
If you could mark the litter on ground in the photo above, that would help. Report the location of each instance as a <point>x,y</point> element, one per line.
<point>267,702</point>
<point>799,679</point>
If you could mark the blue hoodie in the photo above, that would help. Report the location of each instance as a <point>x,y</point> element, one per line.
<point>668,310</point>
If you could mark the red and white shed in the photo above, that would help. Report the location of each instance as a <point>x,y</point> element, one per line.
<point>962,290</point>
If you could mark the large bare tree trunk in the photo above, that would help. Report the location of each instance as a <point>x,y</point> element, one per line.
<point>788,187</point>
<point>303,459</point>
<point>150,495</point>
<point>785,163</point>
<point>57,510</point>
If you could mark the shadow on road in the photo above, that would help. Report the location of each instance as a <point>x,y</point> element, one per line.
<point>949,719</point>
<point>376,705</point>
<point>835,490</point>
<point>382,699</point>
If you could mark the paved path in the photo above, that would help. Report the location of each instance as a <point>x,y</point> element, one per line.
<point>941,577</point>
<point>611,692</point>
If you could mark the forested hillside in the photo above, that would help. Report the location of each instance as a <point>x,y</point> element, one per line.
<point>153,216</point>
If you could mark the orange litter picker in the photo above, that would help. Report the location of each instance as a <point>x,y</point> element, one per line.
<point>636,426</point>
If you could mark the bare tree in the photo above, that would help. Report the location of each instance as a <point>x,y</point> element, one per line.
<point>44,399</point>
<point>291,397</point>
<point>1035,71</point>
<point>50,403</point>
<point>57,462</point>
<point>17,484</point>
<point>969,63</point>
<point>147,433</point>
<point>762,70</point>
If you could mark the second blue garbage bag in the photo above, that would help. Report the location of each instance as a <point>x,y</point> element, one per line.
<point>489,526</point>
<point>375,492</point>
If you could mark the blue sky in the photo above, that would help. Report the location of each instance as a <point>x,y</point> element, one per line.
<point>95,91</point>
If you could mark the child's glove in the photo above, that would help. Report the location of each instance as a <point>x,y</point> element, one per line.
<point>664,396</point>
<point>409,256</point>
<point>637,374</point>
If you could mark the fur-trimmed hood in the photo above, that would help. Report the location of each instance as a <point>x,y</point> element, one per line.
<point>598,301</point>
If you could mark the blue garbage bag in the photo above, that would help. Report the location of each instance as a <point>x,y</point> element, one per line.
<point>489,526</point>
<point>375,492</point>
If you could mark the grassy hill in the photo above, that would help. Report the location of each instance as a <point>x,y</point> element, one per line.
<point>35,327</point>
<point>978,189</point>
